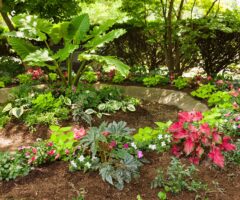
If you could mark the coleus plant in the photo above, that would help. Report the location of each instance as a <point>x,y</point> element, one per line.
<point>195,139</point>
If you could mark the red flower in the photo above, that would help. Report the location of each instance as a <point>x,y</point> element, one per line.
<point>113,144</point>
<point>79,133</point>
<point>32,159</point>
<point>105,133</point>
<point>51,152</point>
<point>34,150</point>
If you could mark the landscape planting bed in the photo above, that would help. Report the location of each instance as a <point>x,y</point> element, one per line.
<point>54,181</point>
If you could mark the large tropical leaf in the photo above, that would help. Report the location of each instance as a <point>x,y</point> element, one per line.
<point>100,40</point>
<point>21,46</point>
<point>64,53</point>
<point>78,28</point>
<point>109,62</point>
<point>38,58</point>
<point>32,27</point>
<point>58,32</point>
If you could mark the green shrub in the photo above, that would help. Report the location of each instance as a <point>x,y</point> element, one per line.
<point>2,85</point>
<point>180,82</point>
<point>89,76</point>
<point>204,91</point>
<point>219,98</point>
<point>118,78</point>
<point>24,78</point>
<point>12,166</point>
<point>10,66</point>
<point>155,80</point>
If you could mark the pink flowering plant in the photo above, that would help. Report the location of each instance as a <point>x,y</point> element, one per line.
<point>197,140</point>
<point>66,139</point>
<point>39,153</point>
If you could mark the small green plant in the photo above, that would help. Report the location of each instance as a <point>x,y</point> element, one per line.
<point>24,78</point>
<point>53,76</point>
<point>118,78</point>
<point>89,76</point>
<point>155,80</point>
<point>234,156</point>
<point>2,84</point>
<point>180,82</point>
<point>46,102</point>
<point>154,139</point>
<point>64,139</point>
<point>219,98</point>
<point>139,197</point>
<point>204,91</point>
<point>177,178</point>
<point>162,196</point>
<point>12,166</point>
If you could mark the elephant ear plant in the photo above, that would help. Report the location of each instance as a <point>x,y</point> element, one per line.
<point>35,38</point>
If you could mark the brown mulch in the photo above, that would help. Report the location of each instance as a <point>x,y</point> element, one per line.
<point>55,182</point>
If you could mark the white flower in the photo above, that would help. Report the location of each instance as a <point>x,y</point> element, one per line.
<point>73,164</point>
<point>81,158</point>
<point>88,164</point>
<point>134,145</point>
<point>163,144</point>
<point>169,140</point>
<point>152,146</point>
<point>160,137</point>
<point>234,127</point>
<point>19,34</point>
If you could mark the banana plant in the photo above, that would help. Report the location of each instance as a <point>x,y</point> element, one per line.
<point>73,35</point>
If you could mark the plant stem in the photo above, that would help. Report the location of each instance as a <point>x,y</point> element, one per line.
<point>79,72</point>
<point>57,65</point>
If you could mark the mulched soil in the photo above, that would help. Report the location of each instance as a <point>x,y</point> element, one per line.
<point>54,181</point>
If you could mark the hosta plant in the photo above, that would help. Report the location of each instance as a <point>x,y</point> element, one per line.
<point>196,140</point>
<point>180,82</point>
<point>75,34</point>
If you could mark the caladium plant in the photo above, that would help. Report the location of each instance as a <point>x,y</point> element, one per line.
<point>193,138</point>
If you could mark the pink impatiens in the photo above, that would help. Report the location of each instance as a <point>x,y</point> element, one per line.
<point>79,133</point>
<point>193,138</point>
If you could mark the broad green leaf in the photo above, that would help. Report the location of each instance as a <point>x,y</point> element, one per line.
<point>54,128</point>
<point>38,58</point>
<point>22,47</point>
<point>78,28</point>
<point>90,111</point>
<point>109,61</point>
<point>65,52</point>
<point>58,32</point>
<point>100,40</point>
<point>131,107</point>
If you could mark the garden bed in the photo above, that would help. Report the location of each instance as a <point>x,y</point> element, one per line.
<point>54,181</point>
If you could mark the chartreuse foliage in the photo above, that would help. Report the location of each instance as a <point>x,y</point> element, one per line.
<point>75,34</point>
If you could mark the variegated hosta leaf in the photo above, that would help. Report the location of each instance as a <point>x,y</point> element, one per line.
<point>109,61</point>
<point>78,28</point>
<point>65,52</point>
<point>38,58</point>
<point>17,112</point>
<point>21,46</point>
<point>100,40</point>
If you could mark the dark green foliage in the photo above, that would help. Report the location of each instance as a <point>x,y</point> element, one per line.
<point>55,10</point>
<point>12,166</point>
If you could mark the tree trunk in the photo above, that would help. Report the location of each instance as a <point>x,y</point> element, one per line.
<point>6,18</point>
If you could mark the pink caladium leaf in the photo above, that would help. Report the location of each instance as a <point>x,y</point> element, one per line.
<point>184,117</point>
<point>180,134</point>
<point>194,160</point>
<point>226,145</point>
<point>216,137</point>
<point>196,116</point>
<point>192,128</point>
<point>204,128</point>
<point>199,151</point>
<point>188,146</point>
<point>216,156</point>
<point>175,127</point>
<point>176,150</point>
